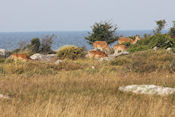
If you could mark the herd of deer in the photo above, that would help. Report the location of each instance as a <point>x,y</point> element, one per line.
<point>101,49</point>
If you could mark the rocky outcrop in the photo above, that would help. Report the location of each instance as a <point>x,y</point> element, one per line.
<point>4,96</point>
<point>58,62</point>
<point>155,48</point>
<point>148,89</point>
<point>2,53</point>
<point>169,49</point>
<point>41,57</point>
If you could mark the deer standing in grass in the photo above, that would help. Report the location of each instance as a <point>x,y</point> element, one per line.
<point>119,49</point>
<point>127,39</point>
<point>102,46</point>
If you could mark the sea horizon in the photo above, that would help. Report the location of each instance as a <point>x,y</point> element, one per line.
<point>11,40</point>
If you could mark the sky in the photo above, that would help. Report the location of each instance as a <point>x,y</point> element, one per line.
<point>80,15</point>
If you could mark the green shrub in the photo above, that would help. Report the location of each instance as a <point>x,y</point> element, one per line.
<point>103,31</point>
<point>35,44</point>
<point>70,52</point>
<point>162,41</point>
<point>127,44</point>
<point>46,44</point>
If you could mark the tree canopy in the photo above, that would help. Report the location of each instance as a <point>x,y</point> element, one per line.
<point>160,26</point>
<point>172,30</point>
<point>104,31</point>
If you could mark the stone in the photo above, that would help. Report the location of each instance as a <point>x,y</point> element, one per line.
<point>4,97</point>
<point>155,48</point>
<point>169,49</point>
<point>58,62</point>
<point>148,89</point>
<point>41,57</point>
<point>2,53</point>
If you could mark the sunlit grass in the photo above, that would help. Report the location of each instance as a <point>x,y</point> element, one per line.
<point>76,89</point>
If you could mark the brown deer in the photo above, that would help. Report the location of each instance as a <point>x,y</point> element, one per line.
<point>97,54</point>
<point>102,46</point>
<point>22,57</point>
<point>127,39</point>
<point>119,49</point>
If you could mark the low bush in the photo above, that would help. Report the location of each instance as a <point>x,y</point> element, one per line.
<point>147,61</point>
<point>161,41</point>
<point>70,52</point>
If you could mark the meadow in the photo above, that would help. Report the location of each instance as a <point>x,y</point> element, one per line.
<point>87,88</point>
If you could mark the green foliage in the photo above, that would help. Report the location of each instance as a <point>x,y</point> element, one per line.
<point>160,40</point>
<point>172,30</point>
<point>127,44</point>
<point>160,26</point>
<point>102,32</point>
<point>35,44</point>
<point>70,52</point>
<point>46,44</point>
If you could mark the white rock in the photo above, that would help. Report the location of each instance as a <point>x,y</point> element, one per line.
<point>168,49</point>
<point>125,53</point>
<point>42,57</point>
<point>148,89</point>
<point>155,48</point>
<point>93,67</point>
<point>2,52</point>
<point>58,62</point>
<point>36,56</point>
<point>104,59</point>
<point>5,97</point>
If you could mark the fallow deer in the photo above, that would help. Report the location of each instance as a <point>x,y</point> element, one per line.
<point>119,49</point>
<point>102,46</point>
<point>97,54</point>
<point>22,57</point>
<point>127,39</point>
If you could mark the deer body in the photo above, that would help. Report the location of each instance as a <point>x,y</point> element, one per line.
<point>22,57</point>
<point>126,39</point>
<point>102,46</point>
<point>97,54</point>
<point>119,49</point>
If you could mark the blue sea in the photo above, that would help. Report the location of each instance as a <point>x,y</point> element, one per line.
<point>11,40</point>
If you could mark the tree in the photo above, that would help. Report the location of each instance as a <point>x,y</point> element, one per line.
<point>102,32</point>
<point>160,26</point>
<point>172,30</point>
<point>35,44</point>
<point>46,43</point>
<point>22,45</point>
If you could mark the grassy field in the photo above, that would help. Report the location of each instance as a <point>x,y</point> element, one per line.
<point>87,88</point>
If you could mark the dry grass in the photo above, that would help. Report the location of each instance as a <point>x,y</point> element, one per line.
<point>83,92</point>
<point>147,61</point>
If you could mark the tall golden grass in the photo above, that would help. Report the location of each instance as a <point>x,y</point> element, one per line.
<point>82,92</point>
